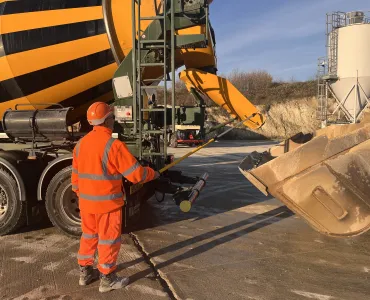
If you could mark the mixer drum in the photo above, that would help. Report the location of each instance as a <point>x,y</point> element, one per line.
<point>58,51</point>
<point>54,52</point>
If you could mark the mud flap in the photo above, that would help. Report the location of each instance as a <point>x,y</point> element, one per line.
<point>325,181</point>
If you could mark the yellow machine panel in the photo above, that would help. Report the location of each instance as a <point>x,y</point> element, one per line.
<point>223,93</point>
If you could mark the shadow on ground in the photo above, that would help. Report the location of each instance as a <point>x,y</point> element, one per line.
<point>226,189</point>
<point>257,222</point>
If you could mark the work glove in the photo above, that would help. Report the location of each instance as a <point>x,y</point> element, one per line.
<point>156,175</point>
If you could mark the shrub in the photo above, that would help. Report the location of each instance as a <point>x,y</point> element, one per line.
<point>259,87</point>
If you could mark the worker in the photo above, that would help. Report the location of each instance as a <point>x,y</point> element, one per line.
<point>99,164</point>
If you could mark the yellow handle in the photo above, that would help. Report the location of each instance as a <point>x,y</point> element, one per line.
<point>134,188</point>
<point>185,156</point>
<point>205,145</point>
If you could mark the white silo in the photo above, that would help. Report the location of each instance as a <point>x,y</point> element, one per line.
<point>348,63</point>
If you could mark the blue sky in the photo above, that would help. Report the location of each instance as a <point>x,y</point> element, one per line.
<point>283,37</point>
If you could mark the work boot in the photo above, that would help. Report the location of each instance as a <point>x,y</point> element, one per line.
<point>112,282</point>
<point>88,274</point>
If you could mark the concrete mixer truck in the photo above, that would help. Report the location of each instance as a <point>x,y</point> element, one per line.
<point>57,57</point>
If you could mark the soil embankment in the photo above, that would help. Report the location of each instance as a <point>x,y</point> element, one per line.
<point>283,120</point>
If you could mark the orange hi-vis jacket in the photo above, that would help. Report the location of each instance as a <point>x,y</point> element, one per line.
<point>99,164</point>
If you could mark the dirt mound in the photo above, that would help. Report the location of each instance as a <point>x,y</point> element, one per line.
<point>283,120</point>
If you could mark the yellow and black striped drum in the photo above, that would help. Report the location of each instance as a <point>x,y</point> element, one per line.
<point>54,52</point>
<point>58,51</point>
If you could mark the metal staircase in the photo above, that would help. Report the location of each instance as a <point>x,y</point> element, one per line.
<point>166,48</point>
<point>150,65</point>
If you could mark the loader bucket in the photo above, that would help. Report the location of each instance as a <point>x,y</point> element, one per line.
<point>325,178</point>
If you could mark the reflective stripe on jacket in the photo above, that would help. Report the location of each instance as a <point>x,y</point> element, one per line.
<point>99,163</point>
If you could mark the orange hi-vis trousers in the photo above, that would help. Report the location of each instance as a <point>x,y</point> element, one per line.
<point>100,232</point>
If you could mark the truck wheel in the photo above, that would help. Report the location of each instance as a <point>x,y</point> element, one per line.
<point>62,203</point>
<point>12,209</point>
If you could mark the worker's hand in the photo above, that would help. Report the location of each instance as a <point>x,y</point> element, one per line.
<point>156,175</point>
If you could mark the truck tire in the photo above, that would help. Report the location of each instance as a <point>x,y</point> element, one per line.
<point>62,203</point>
<point>12,209</point>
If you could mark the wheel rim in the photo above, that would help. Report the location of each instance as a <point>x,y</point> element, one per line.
<point>69,205</point>
<point>4,204</point>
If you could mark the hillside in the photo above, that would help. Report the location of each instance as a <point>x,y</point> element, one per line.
<point>290,106</point>
<point>283,120</point>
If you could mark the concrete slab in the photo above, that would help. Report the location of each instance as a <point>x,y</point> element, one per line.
<point>238,244</point>
<point>42,264</point>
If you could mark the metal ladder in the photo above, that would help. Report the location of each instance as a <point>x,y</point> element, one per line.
<point>334,21</point>
<point>321,113</point>
<point>140,45</point>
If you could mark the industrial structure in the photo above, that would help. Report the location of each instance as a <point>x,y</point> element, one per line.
<point>344,73</point>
